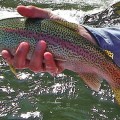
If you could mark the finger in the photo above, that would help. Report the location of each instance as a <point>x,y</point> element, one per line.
<point>21,55</point>
<point>50,65</point>
<point>7,56</point>
<point>36,62</point>
<point>32,11</point>
<point>35,12</point>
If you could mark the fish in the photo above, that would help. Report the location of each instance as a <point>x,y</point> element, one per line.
<point>64,41</point>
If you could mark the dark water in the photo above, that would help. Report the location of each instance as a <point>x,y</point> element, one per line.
<point>65,97</point>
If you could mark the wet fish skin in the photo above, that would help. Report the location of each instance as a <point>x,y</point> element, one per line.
<point>65,43</point>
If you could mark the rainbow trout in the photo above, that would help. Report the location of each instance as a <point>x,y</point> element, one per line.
<point>64,42</point>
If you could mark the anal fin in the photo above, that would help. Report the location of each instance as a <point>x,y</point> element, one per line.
<point>92,80</point>
<point>116,92</point>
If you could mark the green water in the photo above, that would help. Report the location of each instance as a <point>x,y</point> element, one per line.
<point>65,97</point>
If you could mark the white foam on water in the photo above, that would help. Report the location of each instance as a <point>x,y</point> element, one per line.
<point>31,114</point>
<point>8,14</point>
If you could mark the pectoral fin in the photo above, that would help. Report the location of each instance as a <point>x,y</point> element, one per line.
<point>13,70</point>
<point>92,80</point>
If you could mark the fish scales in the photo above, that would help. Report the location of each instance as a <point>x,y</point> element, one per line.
<point>80,46</point>
<point>65,43</point>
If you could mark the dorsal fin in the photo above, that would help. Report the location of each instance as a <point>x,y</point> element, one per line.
<point>109,53</point>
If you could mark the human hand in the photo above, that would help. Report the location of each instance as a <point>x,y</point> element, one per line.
<point>20,61</point>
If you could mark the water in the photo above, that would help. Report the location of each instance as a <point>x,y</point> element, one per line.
<point>65,97</point>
